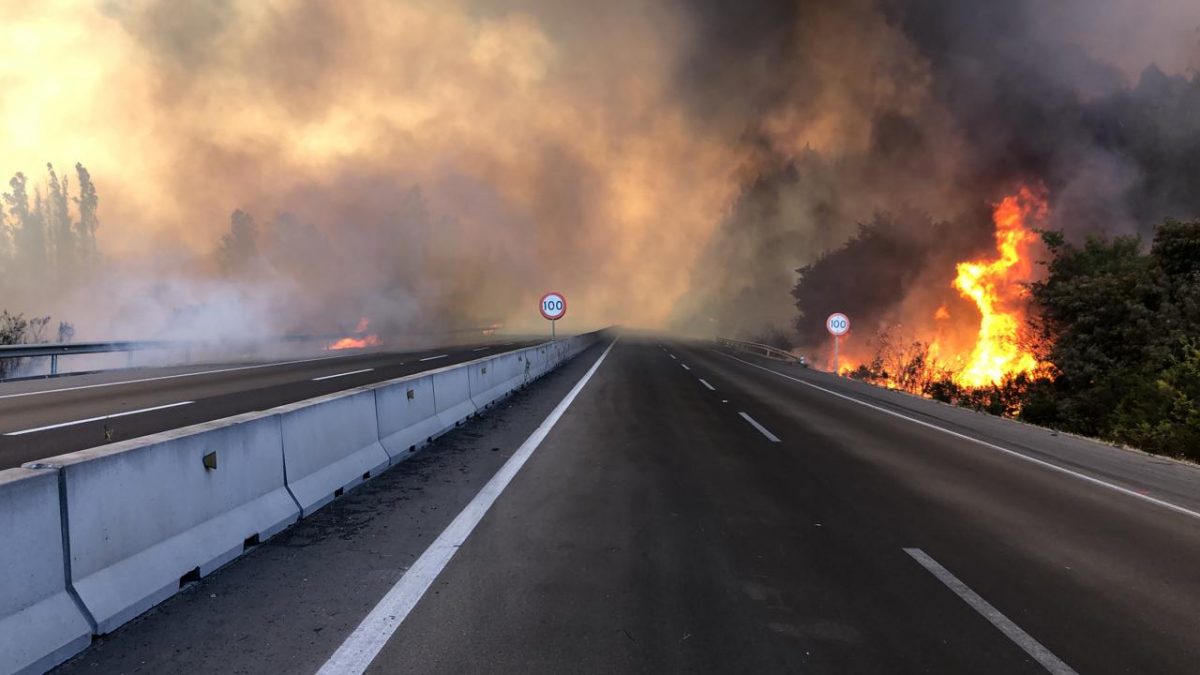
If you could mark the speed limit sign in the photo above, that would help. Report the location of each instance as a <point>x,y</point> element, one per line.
<point>837,324</point>
<point>553,306</point>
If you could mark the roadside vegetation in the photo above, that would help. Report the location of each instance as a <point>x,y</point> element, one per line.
<point>1122,325</point>
<point>1117,325</point>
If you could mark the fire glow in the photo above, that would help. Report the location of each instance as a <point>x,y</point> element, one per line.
<point>996,288</point>
<point>355,341</point>
<point>972,350</point>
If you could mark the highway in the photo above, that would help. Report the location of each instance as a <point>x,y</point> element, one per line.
<point>659,505</point>
<point>44,417</point>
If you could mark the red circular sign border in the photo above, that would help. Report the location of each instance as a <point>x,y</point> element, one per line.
<point>542,302</point>
<point>843,315</point>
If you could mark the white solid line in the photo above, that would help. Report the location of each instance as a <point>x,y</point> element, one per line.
<point>685,366</point>
<point>1013,453</point>
<point>705,383</point>
<point>363,645</point>
<point>1024,640</point>
<point>479,349</point>
<point>96,419</point>
<point>172,377</point>
<point>770,436</point>
<point>353,372</point>
<point>431,358</point>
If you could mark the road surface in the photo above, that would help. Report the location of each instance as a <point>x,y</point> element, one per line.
<point>41,418</point>
<point>695,511</point>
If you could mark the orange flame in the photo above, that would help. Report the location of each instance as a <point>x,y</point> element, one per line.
<point>353,342</point>
<point>995,288</point>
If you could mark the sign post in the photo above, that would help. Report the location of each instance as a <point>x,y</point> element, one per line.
<point>837,324</point>
<point>553,307</point>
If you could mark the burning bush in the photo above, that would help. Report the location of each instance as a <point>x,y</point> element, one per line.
<point>1105,344</point>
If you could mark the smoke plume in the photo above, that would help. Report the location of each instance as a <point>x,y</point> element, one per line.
<point>440,164</point>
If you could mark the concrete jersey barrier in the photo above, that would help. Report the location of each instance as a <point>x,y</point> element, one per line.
<point>452,396</point>
<point>147,514</point>
<point>40,624</point>
<point>510,369</point>
<point>540,356</point>
<point>486,384</point>
<point>142,517</point>
<point>330,445</point>
<point>407,416</point>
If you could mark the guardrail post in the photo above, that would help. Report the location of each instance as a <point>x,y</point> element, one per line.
<point>129,359</point>
<point>54,364</point>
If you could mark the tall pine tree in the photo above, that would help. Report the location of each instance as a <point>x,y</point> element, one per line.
<point>58,220</point>
<point>88,203</point>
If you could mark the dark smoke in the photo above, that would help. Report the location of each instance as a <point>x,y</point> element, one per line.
<point>1092,99</point>
<point>593,148</point>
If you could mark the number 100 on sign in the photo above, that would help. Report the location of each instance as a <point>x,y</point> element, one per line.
<point>837,324</point>
<point>553,306</point>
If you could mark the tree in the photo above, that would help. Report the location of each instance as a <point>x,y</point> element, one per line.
<point>5,240</point>
<point>238,250</point>
<point>29,238</point>
<point>58,220</point>
<point>1123,325</point>
<point>88,203</point>
<point>1162,414</point>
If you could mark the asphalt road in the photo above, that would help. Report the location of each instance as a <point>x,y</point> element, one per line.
<point>691,511</point>
<point>42,418</point>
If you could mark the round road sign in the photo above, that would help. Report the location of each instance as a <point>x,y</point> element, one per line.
<point>553,306</point>
<point>837,324</point>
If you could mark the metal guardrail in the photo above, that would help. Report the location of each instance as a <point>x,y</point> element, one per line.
<point>763,350</point>
<point>57,349</point>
